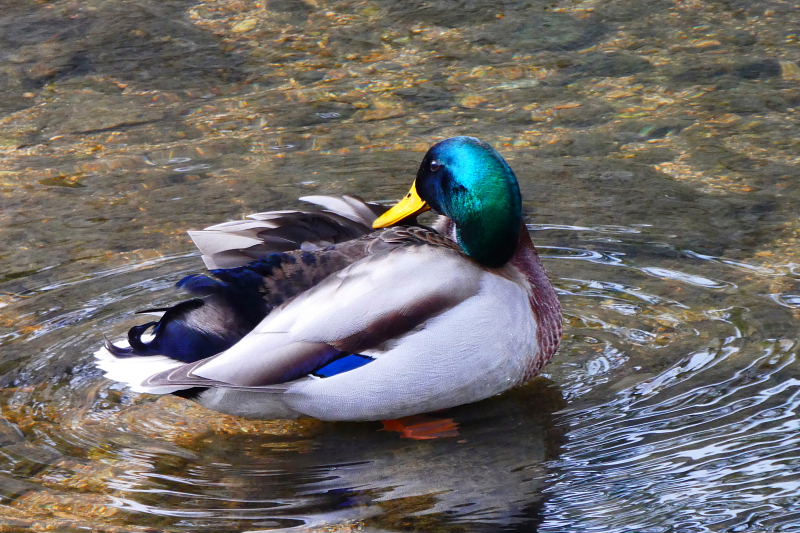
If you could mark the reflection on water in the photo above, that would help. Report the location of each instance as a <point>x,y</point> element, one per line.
<point>490,477</point>
<point>656,145</point>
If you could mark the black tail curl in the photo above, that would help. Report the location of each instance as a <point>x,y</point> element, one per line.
<point>196,328</point>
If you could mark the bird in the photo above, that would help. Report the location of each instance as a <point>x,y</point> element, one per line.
<point>355,311</point>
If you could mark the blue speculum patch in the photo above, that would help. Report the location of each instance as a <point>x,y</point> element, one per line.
<point>343,364</point>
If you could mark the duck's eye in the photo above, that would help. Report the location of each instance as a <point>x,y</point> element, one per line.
<point>435,165</point>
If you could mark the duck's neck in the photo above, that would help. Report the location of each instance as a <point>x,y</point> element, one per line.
<point>490,246</point>
<point>487,230</point>
<point>490,242</point>
<point>543,299</point>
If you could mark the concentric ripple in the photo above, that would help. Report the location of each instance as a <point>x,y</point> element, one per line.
<point>672,406</point>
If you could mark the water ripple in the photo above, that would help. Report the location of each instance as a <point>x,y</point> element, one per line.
<point>680,418</point>
<point>684,277</point>
<point>666,448</point>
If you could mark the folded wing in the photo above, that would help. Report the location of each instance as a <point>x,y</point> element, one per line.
<point>367,306</point>
<point>256,265</point>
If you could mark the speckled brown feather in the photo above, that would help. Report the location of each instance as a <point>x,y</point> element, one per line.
<point>310,268</point>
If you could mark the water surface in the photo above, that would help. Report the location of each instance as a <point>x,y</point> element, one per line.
<point>656,145</point>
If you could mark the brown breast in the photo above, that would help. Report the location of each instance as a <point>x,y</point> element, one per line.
<point>544,302</point>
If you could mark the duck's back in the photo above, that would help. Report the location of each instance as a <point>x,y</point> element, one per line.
<point>259,264</point>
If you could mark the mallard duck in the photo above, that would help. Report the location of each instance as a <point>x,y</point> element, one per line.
<point>356,312</point>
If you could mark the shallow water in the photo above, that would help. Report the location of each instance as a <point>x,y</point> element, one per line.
<point>656,145</point>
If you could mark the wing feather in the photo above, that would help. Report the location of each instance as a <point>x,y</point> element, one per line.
<point>236,243</point>
<point>362,307</point>
<point>349,207</point>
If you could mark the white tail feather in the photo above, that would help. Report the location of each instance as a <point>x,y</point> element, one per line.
<point>132,371</point>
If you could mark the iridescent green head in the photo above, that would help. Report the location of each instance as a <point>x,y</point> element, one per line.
<point>468,181</point>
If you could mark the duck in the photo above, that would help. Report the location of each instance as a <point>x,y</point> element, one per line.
<point>353,311</point>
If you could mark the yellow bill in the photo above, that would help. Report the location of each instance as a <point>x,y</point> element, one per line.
<point>411,205</point>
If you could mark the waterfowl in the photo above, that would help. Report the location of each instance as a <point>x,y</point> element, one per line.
<point>356,312</point>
